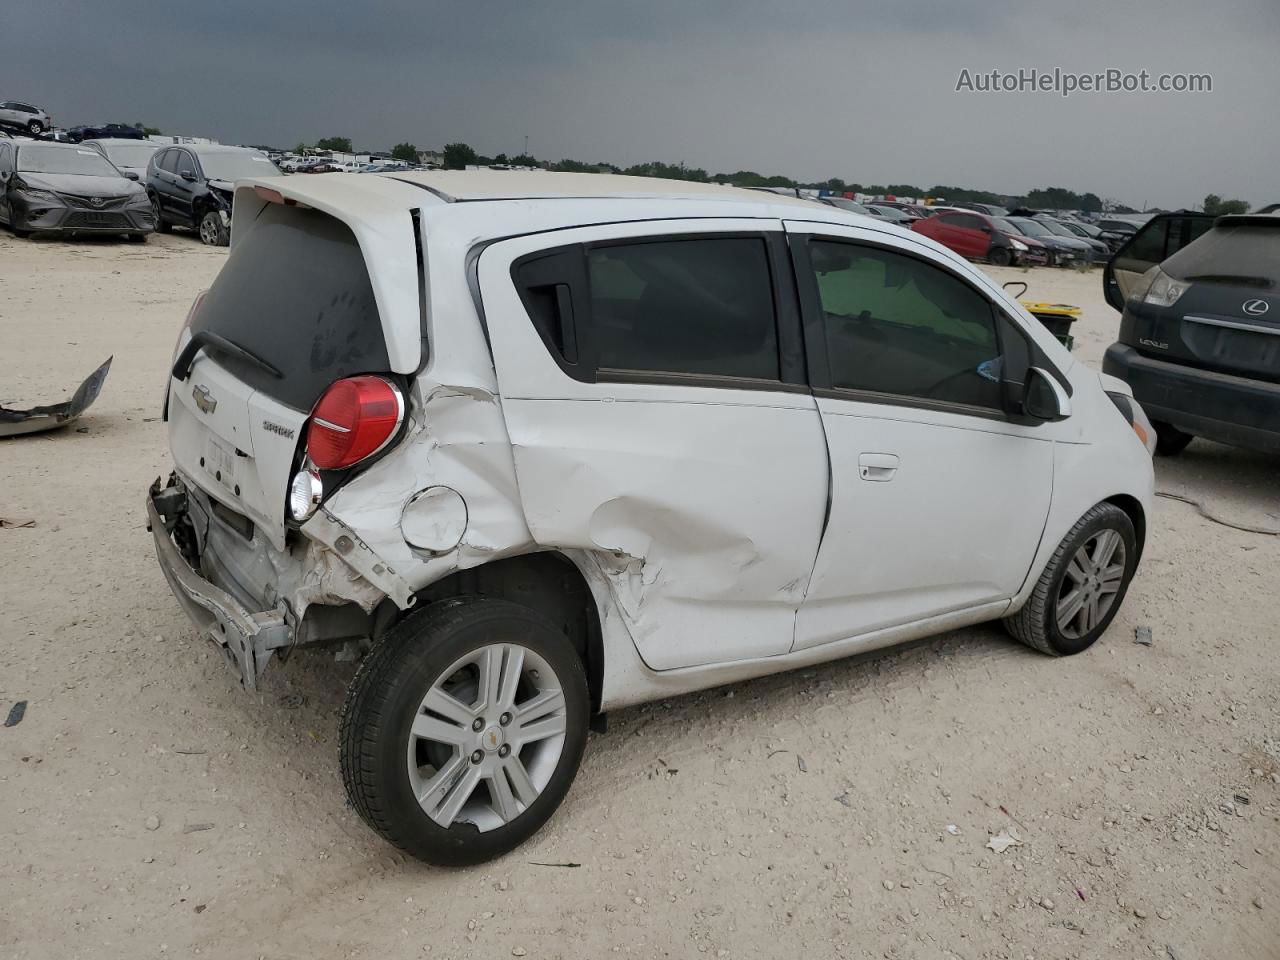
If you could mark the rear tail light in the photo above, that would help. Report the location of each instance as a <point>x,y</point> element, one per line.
<point>354,419</point>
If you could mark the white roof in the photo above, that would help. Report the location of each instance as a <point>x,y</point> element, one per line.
<point>454,185</point>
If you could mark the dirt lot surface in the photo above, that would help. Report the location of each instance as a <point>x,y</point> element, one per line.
<point>149,808</point>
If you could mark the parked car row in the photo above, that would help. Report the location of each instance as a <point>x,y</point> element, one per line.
<point>65,188</point>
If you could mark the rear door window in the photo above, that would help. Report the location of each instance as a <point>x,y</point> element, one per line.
<point>695,306</point>
<point>897,325</point>
<point>295,293</point>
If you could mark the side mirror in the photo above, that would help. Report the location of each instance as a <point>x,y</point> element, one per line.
<point>188,176</point>
<point>1044,397</point>
<point>130,175</point>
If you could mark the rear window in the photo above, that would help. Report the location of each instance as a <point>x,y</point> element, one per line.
<point>295,293</point>
<point>1245,256</point>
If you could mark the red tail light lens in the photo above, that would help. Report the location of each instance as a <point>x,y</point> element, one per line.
<point>354,419</point>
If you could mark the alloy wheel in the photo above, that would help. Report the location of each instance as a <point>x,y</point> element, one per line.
<point>1091,584</point>
<point>487,737</point>
<point>209,230</point>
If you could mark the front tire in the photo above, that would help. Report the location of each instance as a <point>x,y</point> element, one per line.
<point>463,730</point>
<point>212,231</point>
<point>1000,257</point>
<point>35,128</point>
<point>1082,586</point>
<point>1170,441</point>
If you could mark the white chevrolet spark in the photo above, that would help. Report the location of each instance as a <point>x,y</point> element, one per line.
<point>537,446</point>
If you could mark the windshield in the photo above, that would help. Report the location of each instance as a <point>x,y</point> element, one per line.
<point>1004,226</point>
<point>1031,228</point>
<point>130,154</point>
<point>845,204</point>
<point>74,160</point>
<point>1242,256</point>
<point>893,213</point>
<point>234,165</point>
<point>1053,226</point>
<point>994,211</point>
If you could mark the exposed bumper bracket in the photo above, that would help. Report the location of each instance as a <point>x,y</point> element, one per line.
<point>247,638</point>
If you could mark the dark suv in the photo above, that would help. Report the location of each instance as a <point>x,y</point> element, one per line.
<point>191,186</point>
<point>1200,335</point>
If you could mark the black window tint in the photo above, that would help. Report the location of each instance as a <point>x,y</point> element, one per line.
<point>702,306</point>
<point>296,293</point>
<point>970,222</point>
<point>898,325</point>
<point>547,286</point>
<point>6,163</point>
<point>169,163</point>
<point>1150,243</point>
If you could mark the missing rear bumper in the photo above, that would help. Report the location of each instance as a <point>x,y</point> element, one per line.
<point>248,638</point>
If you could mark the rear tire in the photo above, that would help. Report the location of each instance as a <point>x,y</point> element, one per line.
<point>212,231</point>
<point>1082,586</point>
<point>1170,441</point>
<point>448,765</point>
<point>158,216</point>
<point>1000,257</point>
<point>35,128</point>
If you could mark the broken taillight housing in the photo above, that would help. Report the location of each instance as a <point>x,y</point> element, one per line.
<point>354,419</point>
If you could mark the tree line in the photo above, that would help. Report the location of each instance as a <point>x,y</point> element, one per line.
<point>459,156</point>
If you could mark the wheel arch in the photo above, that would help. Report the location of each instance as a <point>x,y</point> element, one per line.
<point>546,581</point>
<point>1133,507</point>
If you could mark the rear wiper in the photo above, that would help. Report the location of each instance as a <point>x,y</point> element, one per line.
<point>215,343</point>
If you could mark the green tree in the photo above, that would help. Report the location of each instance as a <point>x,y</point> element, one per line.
<point>406,152</point>
<point>301,148</point>
<point>457,156</point>
<point>523,160</point>
<point>1215,205</point>
<point>338,144</point>
<point>1091,203</point>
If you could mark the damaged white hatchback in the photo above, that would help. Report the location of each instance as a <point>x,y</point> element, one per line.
<point>540,446</point>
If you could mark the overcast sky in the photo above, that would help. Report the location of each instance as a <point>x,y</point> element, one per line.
<point>810,88</point>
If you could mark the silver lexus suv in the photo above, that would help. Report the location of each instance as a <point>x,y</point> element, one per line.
<point>538,446</point>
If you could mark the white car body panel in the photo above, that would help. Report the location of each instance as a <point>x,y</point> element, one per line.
<point>692,531</point>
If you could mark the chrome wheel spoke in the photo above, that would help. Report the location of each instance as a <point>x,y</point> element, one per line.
<point>440,731</point>
<point>512,668</point>
<point>551,726</point>
<point>1077,570</point>
<point>1108,541</point>
<point>1069,608</point>
<point>524,788</point>
<point>448,706</point>
<point>504,801</point>
<point>438,784</point>
<point>457,795</point>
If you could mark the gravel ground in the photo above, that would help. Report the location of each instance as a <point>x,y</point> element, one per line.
<point>149,808</point>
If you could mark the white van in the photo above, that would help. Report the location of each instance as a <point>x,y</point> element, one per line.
<point>539,446</point>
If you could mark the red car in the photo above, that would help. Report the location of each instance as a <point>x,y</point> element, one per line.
<point>980,237</point>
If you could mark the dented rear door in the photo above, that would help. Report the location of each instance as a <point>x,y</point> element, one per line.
<point>651,383</point>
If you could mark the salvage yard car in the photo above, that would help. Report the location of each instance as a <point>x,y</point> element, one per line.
<point>540,446</point>
<point>190,186</point>
<point>1199,335</point>
<point>17,115</point>
<point>61,188</point>
<point>130,157</point>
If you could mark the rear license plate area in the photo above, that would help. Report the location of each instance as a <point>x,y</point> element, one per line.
<point>220,462</point>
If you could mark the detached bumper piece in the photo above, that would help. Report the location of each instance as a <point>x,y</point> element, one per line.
<point>15,423</point>
<point>247,638</point>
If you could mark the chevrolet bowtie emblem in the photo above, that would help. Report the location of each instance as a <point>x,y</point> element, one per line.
<point>203,399</point>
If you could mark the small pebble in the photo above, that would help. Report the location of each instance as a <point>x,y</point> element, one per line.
<point>518,951</point>
<point>1047,903</point>
<point>1257,902</point>
<point>1140,913</point>
<point>889,884</point>
<point>153,823</point>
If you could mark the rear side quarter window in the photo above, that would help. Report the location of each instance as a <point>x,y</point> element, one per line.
<point>685,306</point>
